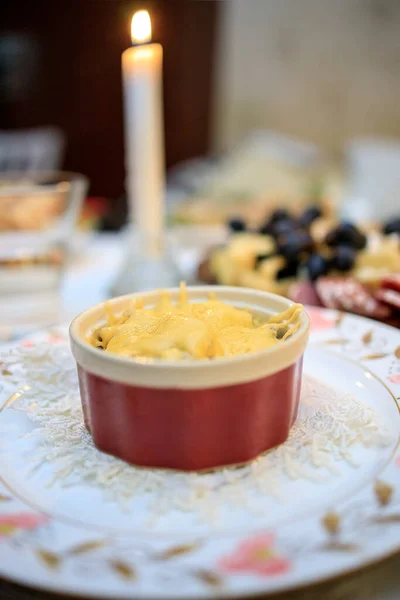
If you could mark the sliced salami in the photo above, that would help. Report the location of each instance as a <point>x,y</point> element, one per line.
<point>392,282</point>
<point>345,293</point>
<point>304,292</point>
<point>390,297</point>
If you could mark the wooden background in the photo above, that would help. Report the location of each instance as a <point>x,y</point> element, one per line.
<point>321,70</point>
<point>60,64</point>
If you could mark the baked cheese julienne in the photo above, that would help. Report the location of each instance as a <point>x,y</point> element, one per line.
<point>198,330</point>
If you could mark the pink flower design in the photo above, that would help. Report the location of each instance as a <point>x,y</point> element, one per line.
<point>13,522</point>
<point>55,339</point>
<point>27,344</point>
<point>256,555</point>
<point>319,321</point>
<point>394,378</point>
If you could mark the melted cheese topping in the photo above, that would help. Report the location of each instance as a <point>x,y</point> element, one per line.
<point>203,330</point>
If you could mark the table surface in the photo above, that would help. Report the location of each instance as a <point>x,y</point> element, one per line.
<point>87,282</point>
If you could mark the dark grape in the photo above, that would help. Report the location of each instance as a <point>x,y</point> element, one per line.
<point>282,227</point>
<point>346,234</point>
<point>289,270</point>
<point>309,215</point>
<point>262,257</point>
<point>317,266</point>
<point>294,243</point>
<point>237,225</point>
<point>344,258</point>
<point>276,223</point>
<point>279,214</point>
<point>266,229</point>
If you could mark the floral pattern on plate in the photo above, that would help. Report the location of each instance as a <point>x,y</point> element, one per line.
<point>15,522</point>
<point>256,555</point>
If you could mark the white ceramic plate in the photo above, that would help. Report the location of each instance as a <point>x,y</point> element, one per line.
<point>75,540</point>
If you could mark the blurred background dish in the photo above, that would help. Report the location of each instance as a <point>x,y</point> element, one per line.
<point>267,171</point>
<point>315,257</point>
<point>26,205</point>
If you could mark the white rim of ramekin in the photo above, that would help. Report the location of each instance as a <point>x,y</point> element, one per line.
<point>189,374</point>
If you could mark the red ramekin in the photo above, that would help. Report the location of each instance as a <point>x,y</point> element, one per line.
<point>190,415</point>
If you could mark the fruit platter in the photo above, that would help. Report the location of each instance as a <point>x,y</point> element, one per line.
<point>313,257</point>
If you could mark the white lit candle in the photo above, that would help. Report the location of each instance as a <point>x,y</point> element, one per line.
<point>144,139</point>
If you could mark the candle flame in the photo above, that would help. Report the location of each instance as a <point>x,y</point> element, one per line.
<point>141,27</point>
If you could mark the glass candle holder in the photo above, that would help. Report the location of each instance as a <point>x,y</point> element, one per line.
<point>149,263</point>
